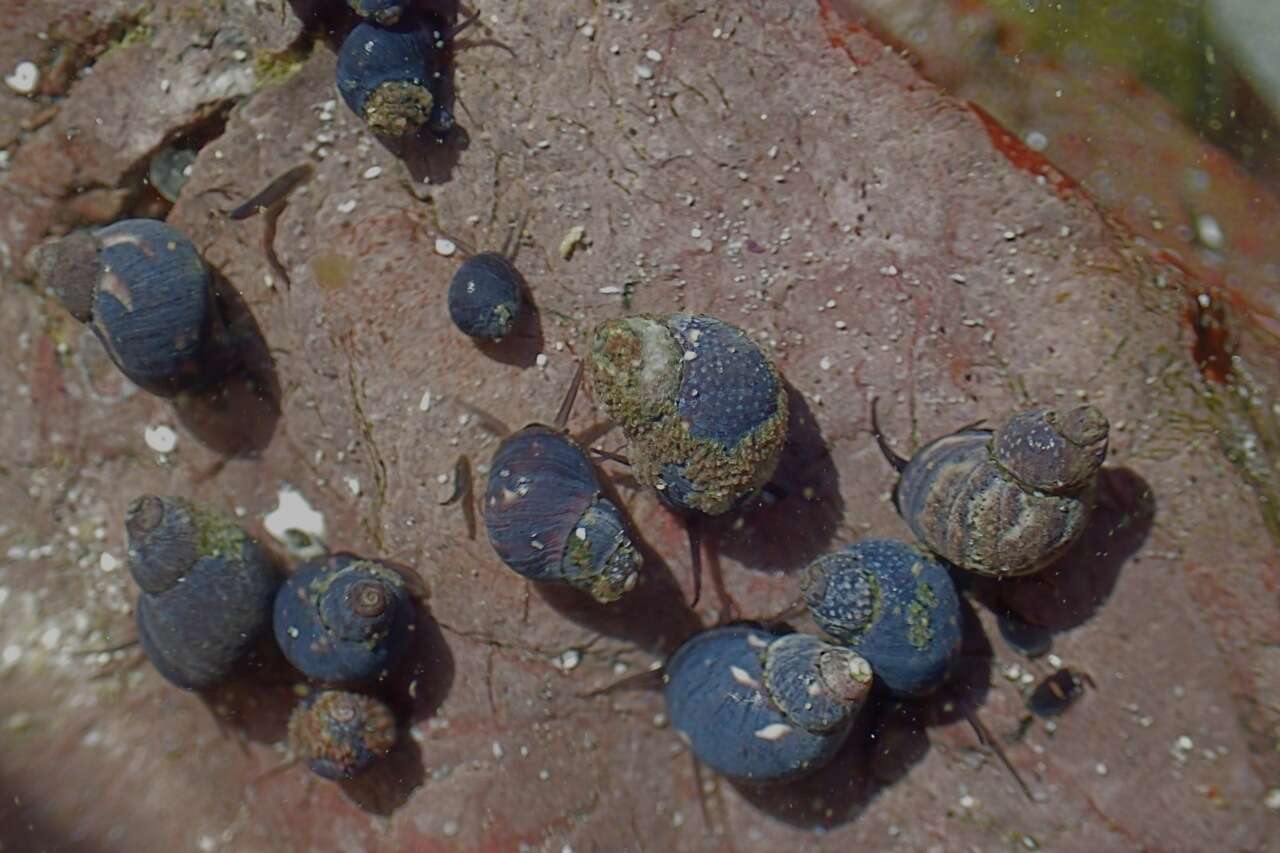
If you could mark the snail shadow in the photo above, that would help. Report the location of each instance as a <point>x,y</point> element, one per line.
<point>256,701</point>
<point>803,499</point>
<point>237,415</point>
<point>1071,590</point>
<point>889,737</point>
<point>421,683</point>
<point>526,341</point>
<point>388,783</point>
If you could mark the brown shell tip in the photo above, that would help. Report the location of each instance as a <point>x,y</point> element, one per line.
<point>68,268</point>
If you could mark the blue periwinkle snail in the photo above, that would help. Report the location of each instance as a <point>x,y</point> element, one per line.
<point>384,12</point>
<point>207,589</point>
<point>762,708</point>
<point>548,518</point>
<point>703,408</point>
<point>338,734</point>
<point>340,619</point>
<point>147,294</point>
<point>1008,501</point>
<point>391,76</point>
<point>485,299</point>
<point>893,604</point>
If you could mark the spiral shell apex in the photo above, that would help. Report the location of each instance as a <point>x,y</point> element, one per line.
<point>763,708</point>
<point>894,605</point>
<point>703,408</point>
<point>338,734</point>
<point>206,589</point>
<point>548,519</point>
<point>343,620</point>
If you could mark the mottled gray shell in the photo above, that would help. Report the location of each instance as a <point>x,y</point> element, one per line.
<point>817,685</point>
<point>1008,502</point>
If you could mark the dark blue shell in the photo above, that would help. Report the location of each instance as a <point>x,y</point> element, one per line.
<point>484,296</point>
<point>385,12</point>
<point>894,605</point>
<point>718,702</point>
<point>321,630</point>
<point>152,305</point>
<point>406,60</point>
<point>338,734</point>
<point>207,589</point>
<point>548,519</point>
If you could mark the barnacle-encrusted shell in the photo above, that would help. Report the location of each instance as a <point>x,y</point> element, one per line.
<point>548,519</point>
<point>720,701</point>
<point>484,297</point>
<point>206,588</point>
<point>388,75</point>
<point>1006,503</point>
<point>703,408</point>
<point>338,733</point>
<point>146,293</point>
<point>341,619</point>
<point>893,604</point>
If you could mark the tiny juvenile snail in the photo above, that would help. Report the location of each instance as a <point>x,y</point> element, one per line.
<point>338,734</point>
<point>207,588</point>
<point>144,290</point>
<point>762,708</point>
<point>340,619</point>
<point>547,516</point>
<point>894,605</point>
<point>392,76</point>
<point>1008,501</point>
<point>486,294</point>
<point>703,408</point>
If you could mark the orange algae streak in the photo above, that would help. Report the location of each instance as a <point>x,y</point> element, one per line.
<point>1017,153</point>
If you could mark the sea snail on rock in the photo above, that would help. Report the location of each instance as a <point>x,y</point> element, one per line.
<point>337,734</point>
<point>340,619</point>
<point>762,708</point>
<point>207,588</point>
<point>147,294</point>
<point>549,519</point>
<point>486,294</point>
<point>893,604</point>
<point>391,76</point>
<point>703,408</point>
<point>1006,502</point>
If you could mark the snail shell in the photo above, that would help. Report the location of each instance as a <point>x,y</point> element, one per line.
<point>340,619</point>
<point>147,294</point>
<point>338,733</point>
<point>1007,502</point>
<point>703,408</point>
<point>763,708</point>
<point>548,519</point>
<point>384,12</point>
<point>893,604</point>
<point>207,588</point>
<point>484,297</point>
<point>389,75</point>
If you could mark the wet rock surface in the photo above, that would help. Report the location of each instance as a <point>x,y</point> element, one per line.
<point>771,165</point>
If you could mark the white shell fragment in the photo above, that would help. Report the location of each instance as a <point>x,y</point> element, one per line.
<point>161,439</point>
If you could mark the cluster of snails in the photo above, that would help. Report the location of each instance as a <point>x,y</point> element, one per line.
<point>208,593</point>
<point>705,414</point>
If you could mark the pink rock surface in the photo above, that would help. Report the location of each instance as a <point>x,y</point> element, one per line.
<point>776,167</point>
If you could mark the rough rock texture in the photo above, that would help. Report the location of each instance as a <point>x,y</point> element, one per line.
<point>775,166</point>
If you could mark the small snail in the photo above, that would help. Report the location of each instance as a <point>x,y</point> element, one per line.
<point>1006,502</point>
<point>548,518</point>
<point>207,588</point>
<point>338,734</point>
<point>146,293</point>
<point>485,299</point>
<point>703,408</point>
<point>392,76</point>
<point>894,605</point>
<point>384,12</point>
<point>763,708</point>
<point>340,619</point>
